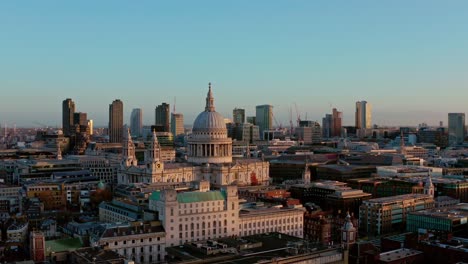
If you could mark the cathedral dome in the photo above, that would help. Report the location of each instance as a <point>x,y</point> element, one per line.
<point>209,142</point>
<point>208,121</point>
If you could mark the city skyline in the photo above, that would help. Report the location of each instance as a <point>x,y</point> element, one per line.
<point>311,54</point>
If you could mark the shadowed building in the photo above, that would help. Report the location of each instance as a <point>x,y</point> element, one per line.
<point>68,109</point>
<point>116,122</point>
<point>162,116</point>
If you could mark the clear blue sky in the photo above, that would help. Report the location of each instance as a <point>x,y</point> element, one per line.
<point>408,58</point>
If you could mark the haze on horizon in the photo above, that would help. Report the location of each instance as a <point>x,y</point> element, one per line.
<point>407,58</point>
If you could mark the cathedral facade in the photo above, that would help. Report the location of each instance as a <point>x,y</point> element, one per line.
<point>209,158</point>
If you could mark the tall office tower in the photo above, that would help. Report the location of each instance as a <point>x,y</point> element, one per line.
<point>238,116</point>
<point>91,126</point>
<point>456,128</point>
<point>327,126</point>
<point>337,117</point>
<point>177,124</point>
<point>264,118</point>
<point>136,122</point>
<point>80,119</point>
<point>162,117</point>
<point>68,109</point>
<point>116,122</point>
<point>363,115</point>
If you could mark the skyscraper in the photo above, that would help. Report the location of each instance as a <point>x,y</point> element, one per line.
<point>91,126</point>
<point>327,126</point>
<point>363,115</point>
<point>456,128</point>
<point>162,117</point>
<point>68,109</point>
<point>80,119</point>
<point>116,122</point>
<point>337,117</point>
<point>136,122</point>
<point>264,118</point>
<point>238,116</point>
<point>177,124</point>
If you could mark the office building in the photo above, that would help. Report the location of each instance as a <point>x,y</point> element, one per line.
<point>264,118</point>
<point>238,116</point>
<point>162,116</point>
<point>68,109</point>
<point>247,132</point>
<point>144,242</point>
<point>327,126</point>
<point>451,219</point>
<point>456,128</point>
<point>204,215</point>
<point>251,120</point>
<point>385,215</point>
<point>80,119</point>
<point>116,122</point>
<point>177,124</point>
<point>136,122</point>
<point>91,126</point>
<point>337,118</point>
<point>363,115</point>
<point>309,132</point>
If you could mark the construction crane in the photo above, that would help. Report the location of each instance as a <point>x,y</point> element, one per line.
<point>297,115</point>
<point>276,121</point>
<point>291,125</point>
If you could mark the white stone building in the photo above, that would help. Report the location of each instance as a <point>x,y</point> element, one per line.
<point>289,221</point>
<point>199,215</point>
<point>142,242</point>
<point>203,215</point>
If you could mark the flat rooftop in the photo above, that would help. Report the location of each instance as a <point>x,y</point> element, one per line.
<point>398,254</point>
<point>397,198</point>
<point>273,245</point>
<point>459,211</point>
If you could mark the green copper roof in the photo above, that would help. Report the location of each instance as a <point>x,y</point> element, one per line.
<point>60,245</point>
<point>195,197</point>
<point>155,196</point>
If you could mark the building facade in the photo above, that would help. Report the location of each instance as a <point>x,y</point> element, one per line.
<point>142,242</point>
<point>136,122</point>
<point>238,116</point>
<point>162,117</point>
<point>363,115</point>
<point>116,122</point>
<point>309,132</point>
<point>456,128</point>
<point>264,118</point>
<point>384,215</point>
<point>177,124</point>
<point>68,109</point>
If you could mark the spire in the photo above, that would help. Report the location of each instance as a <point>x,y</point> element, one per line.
<point>209,100</point>
<point>154,151</point>
<point>128,154</point>
<point>402,143</point>
<point>59,151</point>
<point>429,186</point>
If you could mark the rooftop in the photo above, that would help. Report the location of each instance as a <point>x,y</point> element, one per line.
<point>398,254</point>
<point>193,197</point>
<point>459,211</point>
<point>397,198</point>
